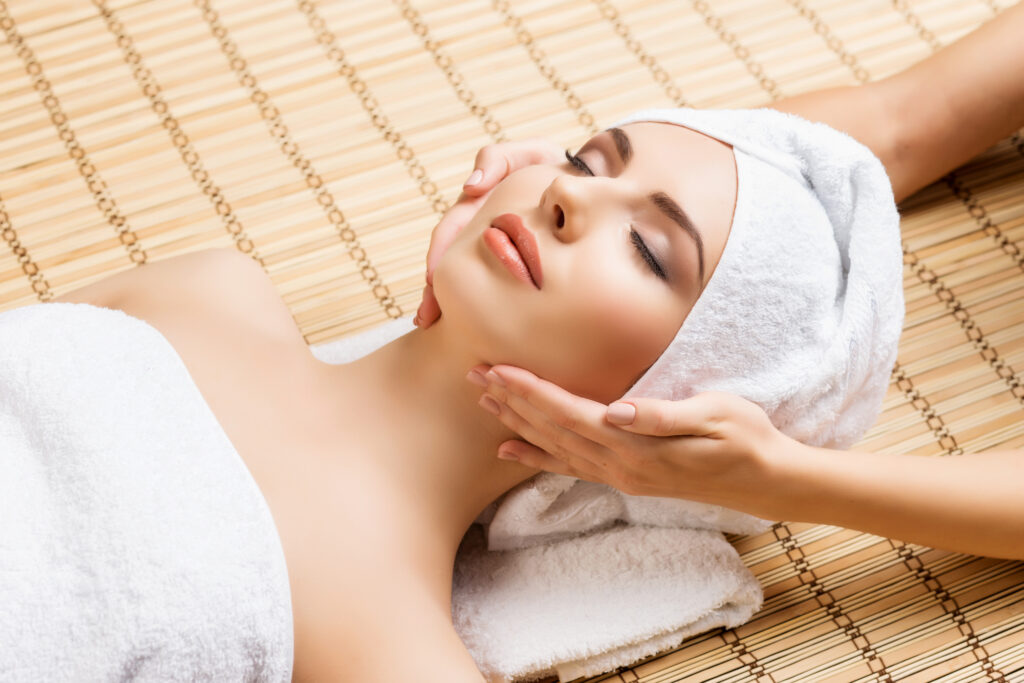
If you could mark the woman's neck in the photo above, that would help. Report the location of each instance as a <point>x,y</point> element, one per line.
<point>410,409</point>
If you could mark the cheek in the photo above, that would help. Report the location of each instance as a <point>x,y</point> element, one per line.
<point>613,324</point>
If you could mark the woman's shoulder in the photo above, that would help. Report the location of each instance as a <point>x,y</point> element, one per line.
<point>221,287</point>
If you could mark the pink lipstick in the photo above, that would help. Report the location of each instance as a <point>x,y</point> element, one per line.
<point>516,247</point>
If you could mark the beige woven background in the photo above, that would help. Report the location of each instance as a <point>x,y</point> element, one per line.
<point>326,138</point>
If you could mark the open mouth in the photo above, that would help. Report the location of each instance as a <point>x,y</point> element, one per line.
<point>516,247</point>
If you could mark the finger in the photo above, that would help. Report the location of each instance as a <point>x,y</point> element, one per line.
<point>696,416</point>
<point>574,451</point>
<point>533,396</point>
<point>530,456</point>
<point>429,310</point>
<point>454,220</point>
<point>496,161</point>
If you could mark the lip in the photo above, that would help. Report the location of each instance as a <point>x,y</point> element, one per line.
<point>525,254</point>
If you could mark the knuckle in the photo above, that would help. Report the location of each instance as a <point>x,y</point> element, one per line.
<point>662,422</point>
<point>484,153</point>
<point>567,420</point>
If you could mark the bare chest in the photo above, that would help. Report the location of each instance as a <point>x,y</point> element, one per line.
<point>346,541</point>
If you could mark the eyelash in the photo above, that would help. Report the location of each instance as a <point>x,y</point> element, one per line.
<point>634,236</point>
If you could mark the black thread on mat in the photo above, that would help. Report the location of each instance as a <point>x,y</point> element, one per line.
<point>447,66</point>
<point>31,270</point>
<point>830,604</point>
<point>742,53</point>
<point>981,218</point>
<point>832,41</point>
<point>329,42</point>
<point>540,60</point>
<point>950,605</point>
<point>923,406</point>
<point>745,657</point>
<point>271,116</point>
<point>974,335</point>
<point>90,174</point>
<point>661,77</point>
<point>186,150</point>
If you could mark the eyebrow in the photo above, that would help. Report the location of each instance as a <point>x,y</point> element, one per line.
<point>662,201</point>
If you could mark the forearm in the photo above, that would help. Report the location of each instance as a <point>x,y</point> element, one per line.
<point>958,102</point>
<point>969,503</point>
<point>937,114</point>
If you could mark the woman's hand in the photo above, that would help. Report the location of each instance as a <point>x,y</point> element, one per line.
<point>715,447</point>
<point>493,164</point>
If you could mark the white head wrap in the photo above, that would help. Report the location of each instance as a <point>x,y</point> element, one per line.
<point>803,313</point>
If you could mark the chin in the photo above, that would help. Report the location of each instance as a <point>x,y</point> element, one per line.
<point>475,309</point>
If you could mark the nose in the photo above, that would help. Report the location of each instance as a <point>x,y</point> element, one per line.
<point>566,203</point>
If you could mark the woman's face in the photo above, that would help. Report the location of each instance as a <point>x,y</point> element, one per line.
<point>605,310</point>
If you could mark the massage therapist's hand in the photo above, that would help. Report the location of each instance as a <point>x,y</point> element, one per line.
<point>493,163</point>
<point>714,447</point>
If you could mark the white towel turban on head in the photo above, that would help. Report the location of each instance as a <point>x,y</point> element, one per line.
<point>802,316</point>
<point>803,313</point>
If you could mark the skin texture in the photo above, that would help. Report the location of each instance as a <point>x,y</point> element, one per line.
<point>428,462</point>
<point>430,440</point>
<point>722,449</point>
<point>414,389</point>
<point>601,306</point>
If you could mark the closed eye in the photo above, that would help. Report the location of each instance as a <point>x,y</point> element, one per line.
<point>646,254</point>
<point>578,163</point>
<point>634,236</point>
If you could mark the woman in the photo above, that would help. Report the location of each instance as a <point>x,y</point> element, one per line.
<point>406,515</point>
<point>900,119</point>
<point>405,491</point>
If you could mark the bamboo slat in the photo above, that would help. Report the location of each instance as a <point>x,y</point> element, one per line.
<point>305,132</point>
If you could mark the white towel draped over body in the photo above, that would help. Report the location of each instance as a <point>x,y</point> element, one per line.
<point>134,543</point>
<point>574,578</point>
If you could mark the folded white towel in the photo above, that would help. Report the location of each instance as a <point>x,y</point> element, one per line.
<point>579,604</point>
<point>589,604</point>
<point>134,543</point>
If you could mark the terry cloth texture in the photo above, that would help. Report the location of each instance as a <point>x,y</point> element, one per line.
<point>134,543</point>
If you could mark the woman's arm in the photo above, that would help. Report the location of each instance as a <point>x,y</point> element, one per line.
<point>966,503</point>
<point>721,449</point>
<point>935,115</point>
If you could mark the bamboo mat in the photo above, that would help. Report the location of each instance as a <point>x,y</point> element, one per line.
<point>326,138</point>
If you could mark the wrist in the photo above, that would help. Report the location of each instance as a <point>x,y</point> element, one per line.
<point>788,473</point>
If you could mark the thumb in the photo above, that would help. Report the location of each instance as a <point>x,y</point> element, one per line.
<point>656,417</point>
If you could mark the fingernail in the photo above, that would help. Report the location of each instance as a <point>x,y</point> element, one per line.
<point>621,413</point>
<point>416,321</point>
<point>496,378</point>
<point>507,455</point>
<point>475,377</point>
<point>490,405</point>
<point>474,178</point>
